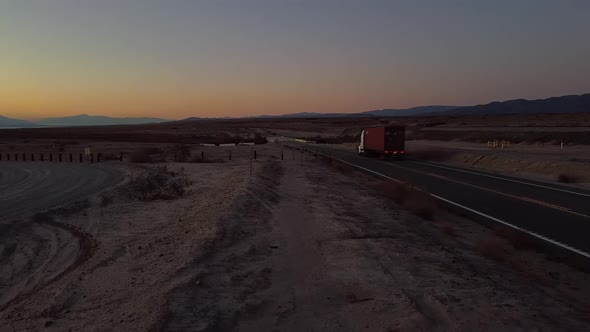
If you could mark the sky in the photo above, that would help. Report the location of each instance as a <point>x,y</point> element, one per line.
<point>180,58</point>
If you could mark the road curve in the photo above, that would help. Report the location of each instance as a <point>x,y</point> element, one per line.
<point>552,212</point>
<point>28,188</point>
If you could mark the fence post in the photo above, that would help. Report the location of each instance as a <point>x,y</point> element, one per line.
<point>254,154</point>
<point>16,157</point>
<point>71,157</point>
<point>81,158</point>
<point>202,155</point>
<point>24,157</point>
<point>8,156</point>
<point>60,158</point>
<point>32,157</point>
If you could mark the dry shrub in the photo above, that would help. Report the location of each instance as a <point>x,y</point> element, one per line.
<point>145,155</point>
<point>518,239</point>
<point>433,154</point>
<point>421,204</point>
<point>159,183</point>
<point>565,178</point>
<point>412,199</point>
<point>447,228</point>
<point>493,249</point>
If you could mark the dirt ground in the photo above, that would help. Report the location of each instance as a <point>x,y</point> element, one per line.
<point>296,246</point>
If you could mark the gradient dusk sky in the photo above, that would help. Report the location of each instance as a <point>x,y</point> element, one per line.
<point>181,58</point>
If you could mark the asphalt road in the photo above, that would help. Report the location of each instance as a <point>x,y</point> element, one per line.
<point>554,213</point>
<point>27,188</point>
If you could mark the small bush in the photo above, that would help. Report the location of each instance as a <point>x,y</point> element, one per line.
<point>518,239</point>
<point>415,201</point>
<point>145,155</point>
<point>564,178</point>
<point>159,183</point>
<point>493,249</point>
<point>448,229</point>
<point>420,203</point>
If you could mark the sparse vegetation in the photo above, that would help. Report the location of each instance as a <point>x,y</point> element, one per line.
<point>565,178</point>
<point>518,239</point>
<point>493,248</point>
<point>159,183</point>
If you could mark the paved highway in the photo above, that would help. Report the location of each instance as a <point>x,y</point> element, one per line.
<point>554,213</point>
<point>27,188</point>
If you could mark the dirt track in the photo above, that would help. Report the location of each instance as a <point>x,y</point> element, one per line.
<point>28,188</point>
<point>37,251</point>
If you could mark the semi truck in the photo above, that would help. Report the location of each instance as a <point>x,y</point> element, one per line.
<point>383,142</point>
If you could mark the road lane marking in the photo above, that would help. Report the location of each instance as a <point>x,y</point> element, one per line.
<point>501,178</point>
<point>523,198</point>
<point>531,233</point>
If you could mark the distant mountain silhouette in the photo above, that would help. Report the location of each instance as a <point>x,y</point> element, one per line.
<point>381,113</point>
<point>8,122</point>
<point>565,104</point>
<point>411,111</point>
<point>88,120</point>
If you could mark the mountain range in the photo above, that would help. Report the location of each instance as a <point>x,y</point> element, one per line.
<point>564,104</point>
<point>77,120</point>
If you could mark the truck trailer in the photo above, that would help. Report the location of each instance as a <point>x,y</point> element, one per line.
<point>383,142</point>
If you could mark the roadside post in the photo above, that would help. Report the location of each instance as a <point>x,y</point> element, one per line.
<point>32,157</point>
<point>51,157</point>
<point>60,158</point>
<point>16,157</point>
<point>42,157</point>
<point>24,157</point>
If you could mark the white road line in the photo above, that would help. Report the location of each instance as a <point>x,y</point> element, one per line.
<point>501,178</point>
<point>539,236</point>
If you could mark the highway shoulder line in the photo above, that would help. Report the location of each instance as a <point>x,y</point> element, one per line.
<point>501,178</point>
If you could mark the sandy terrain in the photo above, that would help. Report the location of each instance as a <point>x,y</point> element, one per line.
<point>296,246</point>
